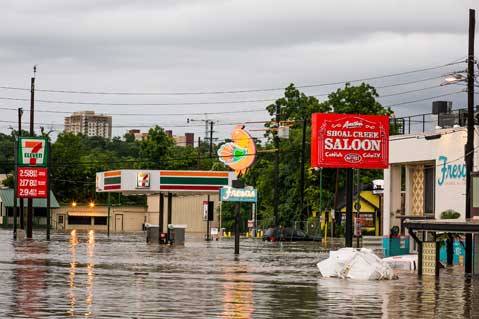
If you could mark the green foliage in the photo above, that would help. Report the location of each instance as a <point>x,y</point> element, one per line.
<point>450,214</point>
<point>8,182</point>
<point>156,149</point>
<point>356,100</point>
<point>6,155</point>
<point>295,109</point>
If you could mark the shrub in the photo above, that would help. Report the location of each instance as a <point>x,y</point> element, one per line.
<point>450,214</point>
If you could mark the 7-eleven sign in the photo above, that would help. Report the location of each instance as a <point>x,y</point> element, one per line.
<point>32,151</point>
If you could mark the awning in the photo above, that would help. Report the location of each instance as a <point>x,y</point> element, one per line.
<point>87,213</point>
<point>443,225</point>
<point>6,196</point>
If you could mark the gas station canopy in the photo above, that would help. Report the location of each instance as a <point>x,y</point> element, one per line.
<point>130,182</point>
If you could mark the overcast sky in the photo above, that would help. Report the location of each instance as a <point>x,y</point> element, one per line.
<point>173,46</point>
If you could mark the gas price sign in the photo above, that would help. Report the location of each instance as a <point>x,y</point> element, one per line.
<point>32,182</point>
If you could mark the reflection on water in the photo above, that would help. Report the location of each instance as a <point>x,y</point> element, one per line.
<point>29,278</point>
<point>238,292</point>
<point>71,277</point>
<point>89,275</point>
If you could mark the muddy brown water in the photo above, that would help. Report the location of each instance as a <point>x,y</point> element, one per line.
<point>88,275</point>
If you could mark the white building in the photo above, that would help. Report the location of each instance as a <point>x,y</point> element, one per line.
<point>88,123</point>
<point>426,176</point>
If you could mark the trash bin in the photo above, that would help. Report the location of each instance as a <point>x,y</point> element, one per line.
<point>177,234</point>
<point>152,233</point>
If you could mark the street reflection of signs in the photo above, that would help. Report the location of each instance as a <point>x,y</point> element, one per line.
<point>429,258</point>
<point>238,294</point>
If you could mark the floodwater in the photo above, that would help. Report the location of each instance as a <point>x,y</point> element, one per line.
<point>87,275</point>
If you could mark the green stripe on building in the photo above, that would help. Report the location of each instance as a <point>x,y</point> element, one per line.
<point>112,180</point>
<point>193,181</point>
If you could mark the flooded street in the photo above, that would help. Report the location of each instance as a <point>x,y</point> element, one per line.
<point>88,275</point>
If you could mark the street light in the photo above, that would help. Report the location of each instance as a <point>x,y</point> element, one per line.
<point>453,78</point>
<point>460,77</point>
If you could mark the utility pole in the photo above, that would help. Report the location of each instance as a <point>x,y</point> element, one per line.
<point>208,131</point>
<point>301,182</point>
<point>32,112</point>
<point>15,183</point>
<point>469,156</point>
<point>22,219</point>
<point>276,169</point>
<point>199,153</point>
<point>211,139</point>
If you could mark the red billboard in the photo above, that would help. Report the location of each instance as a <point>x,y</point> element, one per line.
<point>32,182</point>
<point>349,141</point>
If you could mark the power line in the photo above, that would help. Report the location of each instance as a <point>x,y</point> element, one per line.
<point>234,91</point>
<point>411,91</point>
<point>246,111</point>
<point>423,99</point>
<point>180,103</point>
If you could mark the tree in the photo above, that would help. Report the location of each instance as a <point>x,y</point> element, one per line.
<point>359,99</point>
<point>356,100</point>
<point>295,109</point>
<point>155,151</point>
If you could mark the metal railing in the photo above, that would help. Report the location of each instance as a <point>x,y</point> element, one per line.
<point>428,122</point>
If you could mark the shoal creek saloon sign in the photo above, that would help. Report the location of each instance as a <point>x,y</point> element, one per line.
<point>349,141</point>
<point>230,194</point>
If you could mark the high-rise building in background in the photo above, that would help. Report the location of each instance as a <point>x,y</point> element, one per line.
<point>88,123</point>
<point>139,136</point>
<point>182,140</point>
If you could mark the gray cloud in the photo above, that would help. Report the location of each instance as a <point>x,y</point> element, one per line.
<point>119,45</point>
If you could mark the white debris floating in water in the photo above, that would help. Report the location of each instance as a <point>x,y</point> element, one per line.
<point>361,264</point>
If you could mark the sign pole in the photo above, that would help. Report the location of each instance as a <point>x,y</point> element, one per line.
<point>169,213</point>
<point>348,231</point>
<point>237,228</point>
<point>108,217</point>
<point>48,191</point>
<point>15,181</point>
<point>161,215</point>
<point>208,223</point>
<point>220,234</point>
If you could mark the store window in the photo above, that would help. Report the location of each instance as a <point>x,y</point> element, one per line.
<point>429,188</point>
<point>79,220</point>
<point>100,220</point>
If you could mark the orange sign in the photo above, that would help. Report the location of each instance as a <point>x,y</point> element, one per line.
<point>239,154</point>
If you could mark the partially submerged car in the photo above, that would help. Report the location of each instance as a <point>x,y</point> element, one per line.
<point>287,234</point>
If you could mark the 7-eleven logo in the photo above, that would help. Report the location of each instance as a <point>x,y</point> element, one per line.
<point>143,180</point>
<point>32,152</point>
